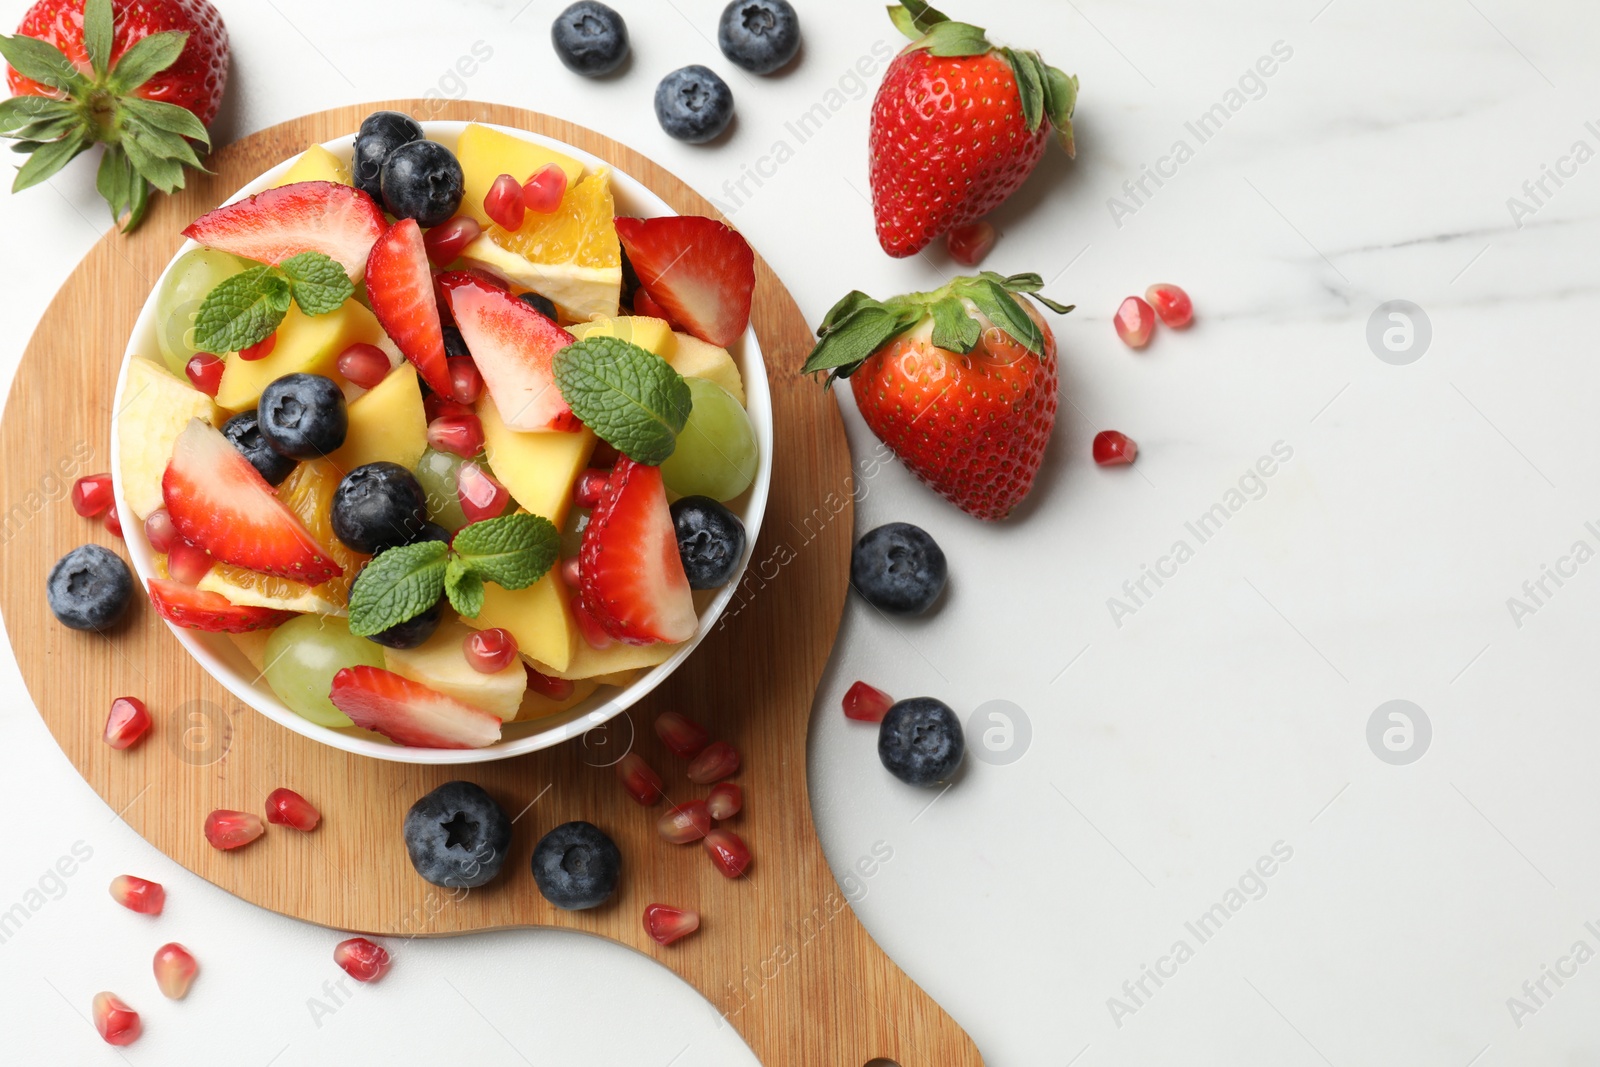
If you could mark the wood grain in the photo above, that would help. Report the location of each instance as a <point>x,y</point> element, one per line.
<point>781,954</point>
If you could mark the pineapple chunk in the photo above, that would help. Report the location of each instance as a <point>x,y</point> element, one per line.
<point>538,617</point>
<point>538,706</point>
<point>316,164</point>
<point>486,154</point>
<point>537,468</point>
<point>694,358</point>
<point>306,344</point>
<point>590,662</point>
<point>652,335</point>
<point>153,410</point>
<point>253,646</point>
<point>441,664</point>
<point>387,423</point>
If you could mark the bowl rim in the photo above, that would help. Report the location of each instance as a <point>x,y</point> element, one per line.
<point>602,706</point>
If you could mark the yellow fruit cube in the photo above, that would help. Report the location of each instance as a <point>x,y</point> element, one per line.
<point>316,164</point>
<point>441,663</point>
<point>590,662</point>
<point>486,154</point>
<point>153,410</point>
<point>387,424</point>
<point>538,617</point>
<point>306,344</point>
<point>538,706</point>
<point>538,469</point>
<point>652,335</point>
<point>694,358</point>
<point>253,646</point>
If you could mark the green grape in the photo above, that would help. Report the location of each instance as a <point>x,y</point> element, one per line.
<point>305,653</point>
<point>437,473</point>
<point>716,452</point>
<point>194,275</point>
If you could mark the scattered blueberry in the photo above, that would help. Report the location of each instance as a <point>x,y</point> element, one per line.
<point>693,104</point>
<point>590,38</point>
<point>378,506</point>
<point>89,588</point>
<point>454,343</point>
<point>543,305</point>
<point>413,632</point>
<point>381,133</point>
<point>303,416</point>
<point>244,431</point>
<point>423,181</point>
<point>710,541</point>
<point>457,836</point>
<point>898,568</point>
<point>576,866</point>
<point>920,741</point>
<point>759,35</point>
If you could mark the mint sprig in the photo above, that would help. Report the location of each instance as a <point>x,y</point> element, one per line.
<point>631,398</point>
<point>248,307</point>
<point>396,586</point>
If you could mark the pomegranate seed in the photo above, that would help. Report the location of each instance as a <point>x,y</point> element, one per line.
<point>137,894</point>
<point>285,807</point>
<point>865,704</point>
<point>726,801</point>
<point>504,202</point>
<point>205,372</point>
<point>489,651</point>
<point>459,435</point>
<point>643,305</point>
<point>188,563</point>
<point>683,823</point>
<point>1111,448</point>
<point>572,572</point>
<point>363,960</point>
<point>590,484</point>
<point>667,924</point>
<point>605,456</point>
<point>481,496</point>
<point>364,365</point>
<point>639,779</point>
<point>91,495</point>
<point>129,720</point>
<point>437,407</point>
<point>114,520</point>
<point>1136,320</point>
<point>969,244</point>
<point>1172,304</point>
<point>552,688</point>
<point>543,192</point>
<point>594,635</point>
<point>175,969</point>
<point>447,241</point>
<point>466,383</point>
<point>118,1024</point>
<point>260,350</point>
<point>683,737</point>
<point>728,852</point>
<point>158,528</point>
<point>720,760</point>
<point>232,829</point>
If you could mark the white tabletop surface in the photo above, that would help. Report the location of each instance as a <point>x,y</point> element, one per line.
<point>1174,747</point>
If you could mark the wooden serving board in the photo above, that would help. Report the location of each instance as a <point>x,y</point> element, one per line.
<point>780,951</point>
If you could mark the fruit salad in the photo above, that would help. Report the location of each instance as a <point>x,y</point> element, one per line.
<point>401,435</point>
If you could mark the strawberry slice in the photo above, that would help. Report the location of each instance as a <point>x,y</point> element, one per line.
<point>400,286</point>
<point>409,713</point>
<point>512,344</point>
<point>186,606</point>
<point>218,502</point>
<point>336,220</point>
<point>700,272</point>
<point>631,576</point>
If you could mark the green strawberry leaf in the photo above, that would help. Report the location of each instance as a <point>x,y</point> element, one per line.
<point>48,159</point>
<point>98,30</point>
<point>19,113</point>
<point>849,345</point>
<point>914,18</point>
<point>513,551</point>
<point>632,399</point>
<point>1029,69</point>
<point>242,310</point>
<point>44,63</point>
<point>953,329</point>
<point>1002,309</point>
<point>145,60</point>
<point>952,39</point>
<point>320,286</point>
<point>397,586</point>
<point>842,311</point>
<point>464,587</point>
<point>1060,101</point>
<point>169,117</point>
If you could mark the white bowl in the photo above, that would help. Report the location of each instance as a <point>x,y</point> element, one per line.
<point>221,657</point>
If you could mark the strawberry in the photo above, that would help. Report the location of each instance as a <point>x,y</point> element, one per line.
<point>409,713</point>
<point>957,127</point>
<point>219,502</point>
<point>697,270</point>
<point>145,77</point>
<point>960,383</point>
<point>186,606</point>
<point>400,286</point>
<point>512,345</point>
<point>336,220</point>
<point>631,576</point>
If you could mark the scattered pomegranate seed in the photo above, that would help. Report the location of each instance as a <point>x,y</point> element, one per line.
<point>572,572</point>
<point>489,651</point>
<point>160,531</point>
<point>683,737</point>
<point>865,704</point>
<point>459,435</point>
<point>543,192</point>
<point>205,372</point>
<point>363,960</point>
<point>1136,320</point>
<point>1111,448</point>
<point>719,760</point>
<point>728,852</point>
<point>137,894</point>
<point>667,924</point>
<point>260,350</point>
<point>118,1024</point>
<point>640,779</point>
<point>113,520</point>
<point>684,823</point>
<point>643,305</point>
<point>552,688</point>
<point>726,801</point>
<point>175,969</point>
<point>285,807</point>
<point>128,722</point>
<point>232,829</point>
<point>91,495</point>
<point>481,496</point>
<point>1172,304</point>
<point>437,407</point>
<point>466,383</point>
<point>188,563</point>
<point>447,241</point>
<point>590,484</point>
<point>504,203</point>
<point>364,365</point>
<point>970,244</point>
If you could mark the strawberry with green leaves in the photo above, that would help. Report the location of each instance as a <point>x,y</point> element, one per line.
<point>957,126</point>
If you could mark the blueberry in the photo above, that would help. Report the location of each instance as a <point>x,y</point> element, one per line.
<point>378,506</point>
<point>693,104</point>
<point>590,38</point>
<point>423,181</point>
<point>381,134</point>
<point>457,836</point>
<point>541,304</point>
<point>90,588</point>
<point>710,541</point>
<point>920,741</point>
<point>454,343</point>
<point>245,432</point>
<point>430,531</point>
<point>576,866</point>
<point>898,568</point>
<point>759,35</point>
<point>411,633</point>
<point>303,416</point>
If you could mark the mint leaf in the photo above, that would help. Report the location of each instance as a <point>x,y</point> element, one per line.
<point>464,588</point>
<point>242,310</point>
<point>397,586</point>
<point>632,399</point>
<point>513,551</point>
<point>320,285</point>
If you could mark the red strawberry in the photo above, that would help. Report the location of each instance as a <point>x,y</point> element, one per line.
<point>186,606</point>
<point>400,286</point>
<point>219,502</point>
<point>409,713</point>
<point>697,270</point>
<point>632,579</point>
<point>957,127</point>
<point>512,344</point>
<point>336,220</point>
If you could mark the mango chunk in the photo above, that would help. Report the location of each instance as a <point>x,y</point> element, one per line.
<point>306,344</point>
<point>590,662</point>
<point>694,358</point>
<point>316,164</point>
<point>537,468</point>
<point>441,664</point>
<point>538,706</point>
<point>486,154</point>
<point>538,617</point>
<point>652,335</point>
<point>387,424</point>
